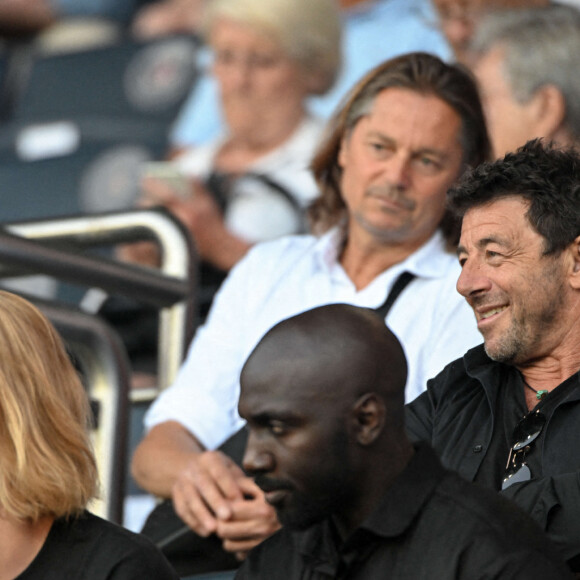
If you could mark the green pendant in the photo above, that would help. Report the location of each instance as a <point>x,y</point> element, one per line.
<point>540,394</point>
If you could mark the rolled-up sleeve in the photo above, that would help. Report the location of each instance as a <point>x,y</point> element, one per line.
<point>204,397</point>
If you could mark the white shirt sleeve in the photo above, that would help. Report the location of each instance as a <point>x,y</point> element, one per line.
<point>204,396</point>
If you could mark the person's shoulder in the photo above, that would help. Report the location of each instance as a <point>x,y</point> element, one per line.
<point>312,126</point>
<point>459,370</point>
<point>484,507</point>
<point>487,513</point>
<point>281,249</point>
<point>118,546</point>
<point>89,522</point>
<point>268,262</point>
<point>453,387</point>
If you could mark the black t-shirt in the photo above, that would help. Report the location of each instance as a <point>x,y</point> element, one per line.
<point>90,548</point>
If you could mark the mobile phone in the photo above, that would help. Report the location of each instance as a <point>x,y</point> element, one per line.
<point>167,171</point>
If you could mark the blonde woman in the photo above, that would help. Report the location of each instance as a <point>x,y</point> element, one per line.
<point>48,472</point>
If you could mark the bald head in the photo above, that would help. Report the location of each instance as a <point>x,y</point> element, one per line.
<point>323,394</point>
<point>333,354</point>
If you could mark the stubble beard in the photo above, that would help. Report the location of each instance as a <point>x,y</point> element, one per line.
<point>519,343</point>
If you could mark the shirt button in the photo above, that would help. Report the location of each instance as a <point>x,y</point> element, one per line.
<point>478,449</point>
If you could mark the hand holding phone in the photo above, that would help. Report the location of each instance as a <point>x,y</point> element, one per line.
<point>170,175</point>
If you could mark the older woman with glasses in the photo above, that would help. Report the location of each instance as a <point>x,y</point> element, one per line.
<point>268,57</point>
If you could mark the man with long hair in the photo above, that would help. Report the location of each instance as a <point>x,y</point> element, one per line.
<point>408,130</point>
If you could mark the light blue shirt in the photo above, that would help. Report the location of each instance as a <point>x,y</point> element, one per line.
<point>373,32</point>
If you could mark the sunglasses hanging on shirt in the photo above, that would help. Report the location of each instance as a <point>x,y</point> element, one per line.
<point>525,433</point>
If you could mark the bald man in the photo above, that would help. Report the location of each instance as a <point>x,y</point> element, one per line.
<point>323,395</point>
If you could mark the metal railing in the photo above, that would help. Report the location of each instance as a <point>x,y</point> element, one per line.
<point>171,288</point>
<point>37,247</point>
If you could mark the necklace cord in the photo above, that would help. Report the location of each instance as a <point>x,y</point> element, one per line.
<point>540,393</point>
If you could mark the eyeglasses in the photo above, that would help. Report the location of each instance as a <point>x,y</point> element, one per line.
<point>525,433</point>
<point>254,61</point>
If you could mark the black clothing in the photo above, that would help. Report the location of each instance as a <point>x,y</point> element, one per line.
<point>187,552</point>
<point>458,417</point>
<point>429,524</point>
<point>90,548</point>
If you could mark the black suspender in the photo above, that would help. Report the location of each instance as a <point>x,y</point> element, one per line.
<point>397,288</point>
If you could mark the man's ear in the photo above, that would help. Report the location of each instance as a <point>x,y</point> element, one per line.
<point>368,417</point>
<point>549,109</point>
<point>575,255</point>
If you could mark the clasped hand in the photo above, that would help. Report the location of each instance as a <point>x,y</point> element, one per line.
<point>213,495</point>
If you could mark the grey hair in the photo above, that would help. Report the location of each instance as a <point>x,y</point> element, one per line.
<point>309,31</point>
<point>542,47</point>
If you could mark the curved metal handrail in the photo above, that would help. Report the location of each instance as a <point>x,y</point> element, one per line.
<point>38,247</point>
<point>172,287</point>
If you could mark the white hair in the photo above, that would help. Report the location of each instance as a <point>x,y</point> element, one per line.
<point>541,47</point>
<point>309,31</point>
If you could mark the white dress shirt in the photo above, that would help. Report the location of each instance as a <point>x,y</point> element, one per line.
<point>287,276</point>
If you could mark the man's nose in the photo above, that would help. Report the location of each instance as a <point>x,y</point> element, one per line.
<point>257,458</point>
<point>397,171</point>
<point>472,279</point>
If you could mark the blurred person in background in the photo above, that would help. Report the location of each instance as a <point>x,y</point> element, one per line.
<point>29,17</point>
<point>526,63</point>
<point>373,31</point>
<point>168,17</point>
<point>269,56</point>
<point>48,472</point>
<point>458,19</point>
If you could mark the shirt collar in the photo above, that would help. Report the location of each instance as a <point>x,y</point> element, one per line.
<point>397,510</point>
<point>407,495</point>
<point>328,247</point>
<point>431,260</point>
<point>489,372</point>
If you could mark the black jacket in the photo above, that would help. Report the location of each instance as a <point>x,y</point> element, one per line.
<point>456,417</point>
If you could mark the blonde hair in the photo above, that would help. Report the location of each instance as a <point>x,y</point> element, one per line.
<point>47,466</point>
<point>309,31</point>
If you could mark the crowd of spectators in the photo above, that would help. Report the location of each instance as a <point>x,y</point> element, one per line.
<point>334,151</point>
